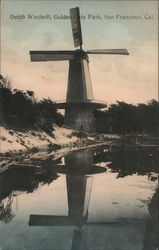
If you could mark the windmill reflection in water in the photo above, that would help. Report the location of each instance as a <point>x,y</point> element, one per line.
<point>79,169</point>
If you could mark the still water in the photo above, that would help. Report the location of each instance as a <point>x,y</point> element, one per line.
<point>93,199</point>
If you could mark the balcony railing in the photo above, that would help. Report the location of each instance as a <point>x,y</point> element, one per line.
<point>92,101</point>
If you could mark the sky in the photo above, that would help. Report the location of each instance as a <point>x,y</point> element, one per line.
<point>132,78</point>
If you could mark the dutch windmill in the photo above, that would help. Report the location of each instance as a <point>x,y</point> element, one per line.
<point>80,104</point>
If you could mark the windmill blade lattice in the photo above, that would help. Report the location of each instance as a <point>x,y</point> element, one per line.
<point>76,26</point>
<point>38,56</point>
<point>108,51</point>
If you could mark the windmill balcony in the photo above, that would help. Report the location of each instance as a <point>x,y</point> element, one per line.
<point>95,104</point>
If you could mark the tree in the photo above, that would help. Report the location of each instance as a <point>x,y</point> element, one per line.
<point>19,108</point>
<point>123,117</point>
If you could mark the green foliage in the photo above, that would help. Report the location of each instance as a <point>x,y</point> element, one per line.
<point>46,115</point>
<point>19,108</point>
<point>128,118</point>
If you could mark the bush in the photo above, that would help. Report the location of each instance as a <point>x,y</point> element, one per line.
<point>128,118</point>
<point>20,108</point>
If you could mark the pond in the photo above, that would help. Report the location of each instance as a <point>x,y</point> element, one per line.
<point>93,199</point>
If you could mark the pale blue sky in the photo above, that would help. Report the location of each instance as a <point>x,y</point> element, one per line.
<point>130,78</point>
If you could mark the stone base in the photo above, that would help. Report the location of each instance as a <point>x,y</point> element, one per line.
<point>80,117</point>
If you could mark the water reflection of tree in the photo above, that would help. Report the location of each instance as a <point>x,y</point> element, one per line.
<point>128,162</point>
<point>21,178</point>
<point>6,213</point>
<point>151,240</point>
<point>79,187</point>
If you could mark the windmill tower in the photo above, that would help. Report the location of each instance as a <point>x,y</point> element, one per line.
<point>80,104</point>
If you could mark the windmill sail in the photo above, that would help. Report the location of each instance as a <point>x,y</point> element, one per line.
<point>49,220</point>
<point>76,26</point>
<point>38,56</point>
<point>108,51</point>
